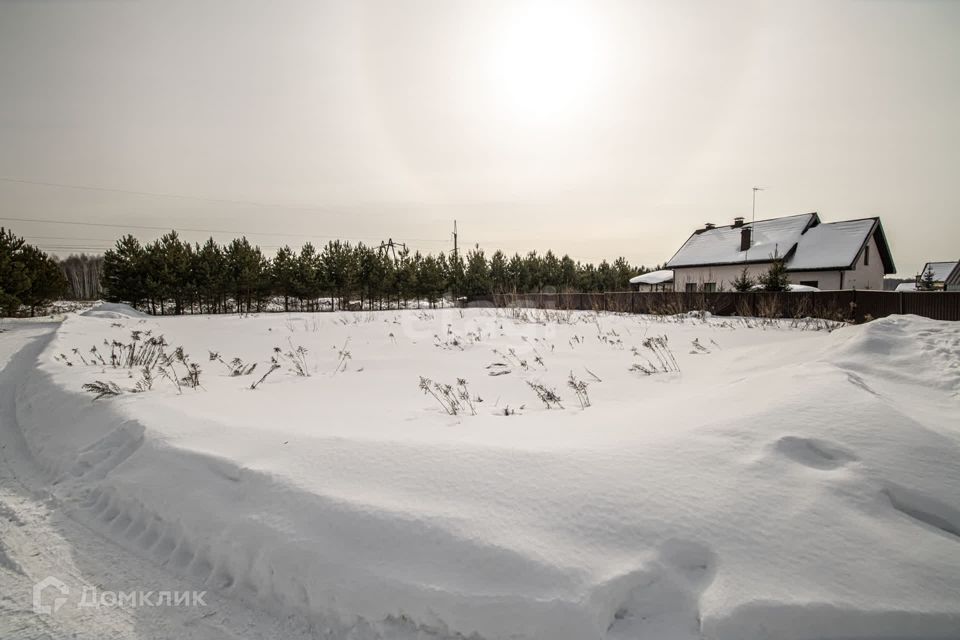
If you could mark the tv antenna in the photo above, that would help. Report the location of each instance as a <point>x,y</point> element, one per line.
<point>753,216</point>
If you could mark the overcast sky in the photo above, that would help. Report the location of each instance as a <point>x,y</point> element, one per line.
<point>595,128</point>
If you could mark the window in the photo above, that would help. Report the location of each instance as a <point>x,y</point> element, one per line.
<point>709,287</point>
<point>810,283</point>
<point>866,255</point>
<point>691,287</point>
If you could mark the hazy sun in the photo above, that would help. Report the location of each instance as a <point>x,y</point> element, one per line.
<point>547,60</point>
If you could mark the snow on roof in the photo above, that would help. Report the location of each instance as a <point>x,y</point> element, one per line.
<point>722,244</point>
<point>834,245</point>
<point>906,286</point>
<point>790,287</point>
<point>941,270</point>
<point>654,277</point>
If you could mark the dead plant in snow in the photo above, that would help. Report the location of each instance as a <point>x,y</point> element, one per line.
<point>236,367</point>
<point>102,389</point>
<point>273,367</point>
<point>298,356</point>
<point>580,388</point>
<point>659,348</point>
<point>547,396</point>
<point>453,400</point>
<point>345,356</point>
<point>145,383</point>
<point>697,347</point>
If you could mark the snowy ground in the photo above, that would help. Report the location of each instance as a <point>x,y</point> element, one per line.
<point>786,482</point>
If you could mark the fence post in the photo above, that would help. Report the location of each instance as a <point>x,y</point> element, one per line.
<point>900,300</point>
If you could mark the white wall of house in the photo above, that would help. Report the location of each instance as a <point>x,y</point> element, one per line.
<point>722,277</point>
<point>866,276</point>
<point>826,280</point>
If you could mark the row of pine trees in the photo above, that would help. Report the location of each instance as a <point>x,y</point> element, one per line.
<point>29,278</point>
<point>173,276</point>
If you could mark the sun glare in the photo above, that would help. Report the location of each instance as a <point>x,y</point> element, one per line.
<point>548,60</point>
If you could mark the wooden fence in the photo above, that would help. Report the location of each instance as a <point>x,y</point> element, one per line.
<point>852,305</point>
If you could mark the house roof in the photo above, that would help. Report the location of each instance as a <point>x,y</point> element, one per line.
<point>802,241</point>
<point>954,277</point>
<point>653,277</point>
<point>835,245</point>
<point>721,245</point>
<point>941,270</point>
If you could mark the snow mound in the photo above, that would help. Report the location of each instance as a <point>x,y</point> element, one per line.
<point>904,350</point>
<point>113,311</point>
<point>809,490</point>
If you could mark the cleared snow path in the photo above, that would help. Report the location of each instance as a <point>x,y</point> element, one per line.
<point>38,539</point>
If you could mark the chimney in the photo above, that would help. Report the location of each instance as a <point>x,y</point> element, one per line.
<point>745,238</point>
<point>738,222</point>
<point>707,226</point>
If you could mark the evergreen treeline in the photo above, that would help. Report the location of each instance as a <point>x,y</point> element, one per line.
<point>172,276</point>
<point>28,277</point>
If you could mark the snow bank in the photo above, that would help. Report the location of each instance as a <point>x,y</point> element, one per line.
<point>113,310</point>
<point>786,484</point>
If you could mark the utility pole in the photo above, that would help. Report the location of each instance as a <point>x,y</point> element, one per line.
<point>454,238</point>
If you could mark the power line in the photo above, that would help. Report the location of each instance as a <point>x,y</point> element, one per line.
<point>193,230</point>
<point>67,238</point>
<point>154,194</point>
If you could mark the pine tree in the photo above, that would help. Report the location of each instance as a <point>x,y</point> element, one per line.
<point>568,273</point>
<point>477,276</point>
<point>549,271</point>
<point>283,274</point>
<point>623,272</point>
<point>124,267</point>
<point>14,280</point>
<point>47,281</point>
<point>499,277</point>
<point>431,279</point>
<point>246,274</point>
<point>927,281</point>
<point>210,276</point>
<point>28,276</point>
<point>606,277</point>
<point>338,270</point>
<point>775,279</point>
<point>455,273</point>
<point>744,282</point>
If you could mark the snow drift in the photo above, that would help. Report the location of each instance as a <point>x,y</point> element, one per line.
<point>785,484</point>
<point>113,310</point>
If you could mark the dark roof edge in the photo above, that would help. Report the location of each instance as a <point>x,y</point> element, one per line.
<point>882,245</point>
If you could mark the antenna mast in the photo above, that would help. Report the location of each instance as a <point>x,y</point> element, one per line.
<point>753,217</point>
<point>454,238</point>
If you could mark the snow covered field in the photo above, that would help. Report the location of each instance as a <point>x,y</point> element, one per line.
<point>778,481</point>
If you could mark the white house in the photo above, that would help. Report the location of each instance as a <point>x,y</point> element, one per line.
<point>661,280</point>
<point>941,272</point>
<point>852,254</point>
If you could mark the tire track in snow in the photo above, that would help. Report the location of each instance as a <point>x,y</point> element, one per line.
<point>39,540</point>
